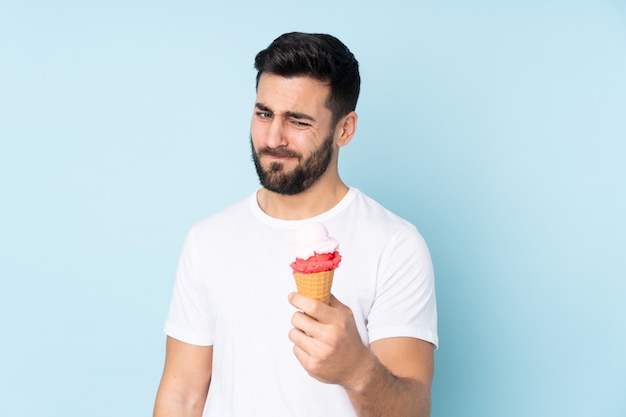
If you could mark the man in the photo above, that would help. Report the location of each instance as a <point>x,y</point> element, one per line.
<point>240,342</point>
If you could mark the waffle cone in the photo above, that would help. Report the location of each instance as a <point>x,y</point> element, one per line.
<point>316,285</point>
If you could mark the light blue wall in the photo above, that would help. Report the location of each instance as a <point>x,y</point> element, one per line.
<point>498,128</point>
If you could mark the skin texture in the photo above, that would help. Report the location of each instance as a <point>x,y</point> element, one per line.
<point>290,115</point>
<point>185,381</point>
<point>391,377</point>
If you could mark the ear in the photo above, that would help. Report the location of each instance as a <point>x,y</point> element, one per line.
<point>346,127</point>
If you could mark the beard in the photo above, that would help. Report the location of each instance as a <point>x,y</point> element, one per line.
<point>302,177</point>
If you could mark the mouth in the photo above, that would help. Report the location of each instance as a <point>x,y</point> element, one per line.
<point>278,154</point>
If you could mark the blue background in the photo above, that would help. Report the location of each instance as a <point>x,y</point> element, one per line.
<point>498,128</point>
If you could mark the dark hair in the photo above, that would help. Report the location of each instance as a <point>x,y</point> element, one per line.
<point>319,56</point>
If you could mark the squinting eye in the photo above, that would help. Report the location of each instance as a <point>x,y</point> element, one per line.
<point>301,124</point>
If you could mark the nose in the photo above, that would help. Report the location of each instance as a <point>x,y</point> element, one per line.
<point>276,134</point>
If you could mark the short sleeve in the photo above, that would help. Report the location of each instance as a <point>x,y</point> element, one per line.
<point>405,303</point>
<point>188,320</point>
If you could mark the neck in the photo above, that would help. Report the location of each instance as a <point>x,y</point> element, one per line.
<point>316,200</point>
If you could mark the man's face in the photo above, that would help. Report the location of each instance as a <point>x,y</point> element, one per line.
<point>291,137</point>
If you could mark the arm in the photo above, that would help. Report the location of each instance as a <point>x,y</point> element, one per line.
<point>391,378</point>
<point>185,382</point>
<point>399,379</point>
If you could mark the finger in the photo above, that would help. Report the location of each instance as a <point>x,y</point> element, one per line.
<point>302,355</point>
<point>298,338</point>
<point>304,343</point>
<point>305,323</point>
<point>312,308</point>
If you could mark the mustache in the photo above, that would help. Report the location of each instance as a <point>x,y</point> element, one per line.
<point>278,152</point>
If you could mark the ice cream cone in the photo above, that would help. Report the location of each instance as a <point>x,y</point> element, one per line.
<point>316,285</point>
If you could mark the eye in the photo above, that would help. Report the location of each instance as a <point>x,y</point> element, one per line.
<point>298,123</point>
<point>264,115</point>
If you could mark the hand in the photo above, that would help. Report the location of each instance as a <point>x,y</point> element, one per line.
<point>327,343</point>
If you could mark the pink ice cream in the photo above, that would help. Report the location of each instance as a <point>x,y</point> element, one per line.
<point>315,250</point>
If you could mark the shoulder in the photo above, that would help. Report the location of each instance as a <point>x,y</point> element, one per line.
<point>223,226</point>
<point>376,215</point>
<point>365,226</point>
<point>224,218</point>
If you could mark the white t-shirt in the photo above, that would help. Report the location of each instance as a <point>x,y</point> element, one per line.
<point>231,292</point>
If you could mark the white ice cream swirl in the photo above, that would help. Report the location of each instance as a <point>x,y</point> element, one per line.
<point>312,238</point>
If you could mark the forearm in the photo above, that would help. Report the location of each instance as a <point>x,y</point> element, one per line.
<point>175,409</point>
<point>383,394</point>
<point>168,404</point>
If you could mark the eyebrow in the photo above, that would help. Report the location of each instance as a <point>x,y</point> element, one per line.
<point>295,115</point>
